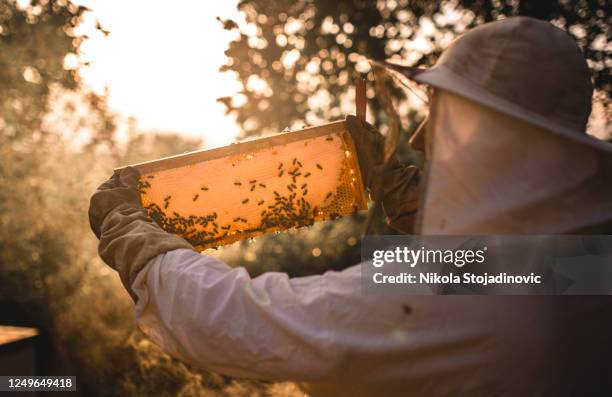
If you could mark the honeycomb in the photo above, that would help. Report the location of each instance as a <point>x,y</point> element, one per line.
<point>219,196</point>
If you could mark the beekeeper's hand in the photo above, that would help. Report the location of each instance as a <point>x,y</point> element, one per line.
<point>129,239</point>
<point>121,188</point>
<point>397,185</point>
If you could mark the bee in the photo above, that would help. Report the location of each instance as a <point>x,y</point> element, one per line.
<point>196,197</point>
<point>305,192</point>
<point>238,183</point>
<point>253,181</point>
<point>280,165</point>
<point>306,175</point>
<point>246,200</point>
<point>203,188</point>
<point>253,187</point>
<point>300,164</point>
<point>294,161</point>
<point>260,202</point>
<point>303,186</point>
<point>150,176</point>
<point>262,185</point>
<point>281,173</point>
<point>329,138</point>
<point>328,195</point>
<point>319,166</point>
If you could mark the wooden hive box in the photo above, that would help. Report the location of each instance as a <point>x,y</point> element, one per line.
<point>18,347</point>
<point>219,196</point>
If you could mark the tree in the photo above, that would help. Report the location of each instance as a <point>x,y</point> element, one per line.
<point>31,63</point>
<point>34,42</point>
<point>39,61</point>
<point>296,59</point>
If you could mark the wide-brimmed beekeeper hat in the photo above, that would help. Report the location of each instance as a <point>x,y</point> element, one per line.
<point>522,67</point>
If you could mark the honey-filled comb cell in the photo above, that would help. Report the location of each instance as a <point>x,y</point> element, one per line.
<point>219,196</point>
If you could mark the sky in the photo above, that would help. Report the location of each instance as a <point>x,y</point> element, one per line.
<point>160,64</point>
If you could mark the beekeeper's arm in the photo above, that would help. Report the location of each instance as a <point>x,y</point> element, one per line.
<point>204,312</point>
<point>270,327</point>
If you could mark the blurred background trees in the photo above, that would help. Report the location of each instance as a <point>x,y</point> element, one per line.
<point>34,43</point>
<point>296,59</point>
<point>58,141</point>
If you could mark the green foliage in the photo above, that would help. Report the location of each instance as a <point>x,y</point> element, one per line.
<point>296,59</point>
<point>33,44</point>
<point>37,44</point>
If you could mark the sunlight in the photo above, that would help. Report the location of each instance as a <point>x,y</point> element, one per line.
<point>160,64</point>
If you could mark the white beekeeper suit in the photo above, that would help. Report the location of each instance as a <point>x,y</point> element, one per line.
<point>492,168</point>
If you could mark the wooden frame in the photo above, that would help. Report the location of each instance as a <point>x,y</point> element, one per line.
<point>237,148</point>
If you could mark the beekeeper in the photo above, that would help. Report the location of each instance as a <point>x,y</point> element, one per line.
<point>506,153</point>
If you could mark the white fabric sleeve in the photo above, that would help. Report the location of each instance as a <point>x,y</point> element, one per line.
<point>206,313</point>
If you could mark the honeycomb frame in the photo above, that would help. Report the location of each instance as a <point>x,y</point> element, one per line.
<point>317,168</point>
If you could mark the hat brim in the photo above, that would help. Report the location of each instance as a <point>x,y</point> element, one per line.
<point>408,71</point>
<point>443,78</point>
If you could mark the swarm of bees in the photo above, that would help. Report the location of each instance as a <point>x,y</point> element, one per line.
<point>286,211</point>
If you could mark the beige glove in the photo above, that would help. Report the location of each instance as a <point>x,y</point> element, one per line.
<point>393,183</point>
<point>129,239</point>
